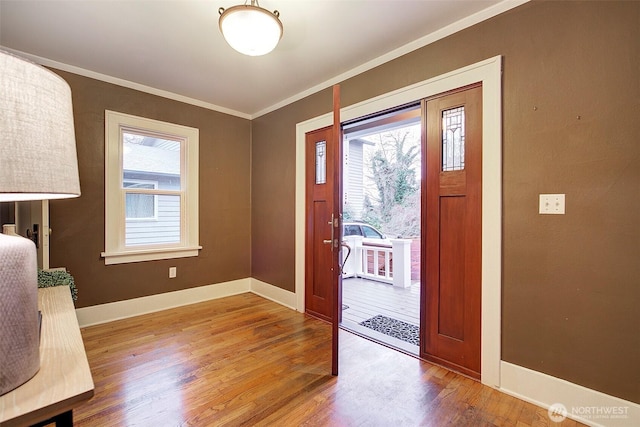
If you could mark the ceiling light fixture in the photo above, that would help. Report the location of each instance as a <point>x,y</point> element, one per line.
<point>250,29</point>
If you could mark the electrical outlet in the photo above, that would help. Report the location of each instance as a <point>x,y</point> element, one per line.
<point>552,204</point>
<point>172,272</point>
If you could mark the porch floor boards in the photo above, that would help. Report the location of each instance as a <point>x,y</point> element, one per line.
<point>368,298</point>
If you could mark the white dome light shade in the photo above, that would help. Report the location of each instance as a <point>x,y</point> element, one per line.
<point>250,29</point>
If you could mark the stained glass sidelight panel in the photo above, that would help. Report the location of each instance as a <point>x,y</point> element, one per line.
<point>453,139</point>
<point>321,162</point>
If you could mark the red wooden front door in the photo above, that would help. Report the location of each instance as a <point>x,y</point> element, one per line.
<point>320,188</point>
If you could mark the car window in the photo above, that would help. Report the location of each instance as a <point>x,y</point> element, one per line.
<point>371,233</point>
<point>352,230</point>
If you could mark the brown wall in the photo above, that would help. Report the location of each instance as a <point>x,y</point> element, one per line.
<point>571,284</point>
<point>273,189</point>
<point>78,224</point>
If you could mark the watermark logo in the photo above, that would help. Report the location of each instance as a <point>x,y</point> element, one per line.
<point>557,412</point>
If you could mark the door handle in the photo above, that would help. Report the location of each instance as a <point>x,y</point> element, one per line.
<point>33,235</point>
<point>327,241</point>
<point>330,241</point>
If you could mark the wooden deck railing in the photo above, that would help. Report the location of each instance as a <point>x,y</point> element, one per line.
<point>382,262</point>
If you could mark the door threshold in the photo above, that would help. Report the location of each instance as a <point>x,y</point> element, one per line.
<point>380,338</point>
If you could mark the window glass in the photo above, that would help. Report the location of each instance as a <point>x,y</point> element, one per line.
<point>453,139</point>
<point>352,230</point>
<point>151,158</point>
<point>150,163</point>
<point>370,233</point>
<point>321,162</point>
<point>163,229</point>
<point>140,206</point>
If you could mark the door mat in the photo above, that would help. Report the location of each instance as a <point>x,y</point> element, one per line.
<point>394,328</point>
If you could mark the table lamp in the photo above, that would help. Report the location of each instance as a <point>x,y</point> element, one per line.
<point>37,161</point>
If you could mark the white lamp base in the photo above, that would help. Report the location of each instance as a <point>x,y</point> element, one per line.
<point>19,320</point>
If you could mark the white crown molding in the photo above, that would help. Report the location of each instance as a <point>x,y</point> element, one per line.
<point>126,83</point>
<point>460,25</point>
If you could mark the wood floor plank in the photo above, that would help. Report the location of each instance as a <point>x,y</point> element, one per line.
<point>246,361</point>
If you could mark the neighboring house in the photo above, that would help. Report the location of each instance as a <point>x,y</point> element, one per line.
<point>353,192</point>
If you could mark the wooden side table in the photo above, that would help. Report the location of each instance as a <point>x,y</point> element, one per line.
<point>64,380</point>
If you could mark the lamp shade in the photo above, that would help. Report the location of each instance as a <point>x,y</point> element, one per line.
<point>250,29</point>
<point>37,161</point>
<point>37,141</point>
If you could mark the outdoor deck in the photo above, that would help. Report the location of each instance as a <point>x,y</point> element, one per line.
<point>367,298</point>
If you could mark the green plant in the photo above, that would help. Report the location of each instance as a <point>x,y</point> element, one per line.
<point>46,279</point>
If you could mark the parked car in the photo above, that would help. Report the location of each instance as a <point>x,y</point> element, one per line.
<point>369,234</point>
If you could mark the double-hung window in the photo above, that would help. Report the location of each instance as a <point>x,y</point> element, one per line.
<point>151,189</point>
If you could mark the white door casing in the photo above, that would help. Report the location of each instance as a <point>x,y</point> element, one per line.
<point>489,72</point>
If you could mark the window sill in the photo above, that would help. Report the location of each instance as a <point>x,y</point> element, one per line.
<point>149,254</point>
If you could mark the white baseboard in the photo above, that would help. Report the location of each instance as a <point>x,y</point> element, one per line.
<point>582,404</point>
<point>274,293</point>
<point>103,313</point>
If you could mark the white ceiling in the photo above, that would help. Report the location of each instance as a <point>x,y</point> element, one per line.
<point>174,47</point>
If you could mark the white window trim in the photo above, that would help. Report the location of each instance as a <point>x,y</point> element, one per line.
<point>115,250</point>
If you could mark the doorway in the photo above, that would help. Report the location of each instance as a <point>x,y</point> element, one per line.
<point>488,72</point>
<point>384,188</point>
<point>382,162</point>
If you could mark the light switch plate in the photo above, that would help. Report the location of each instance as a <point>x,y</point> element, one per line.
<point>172,272</point>
<point>552,204</point>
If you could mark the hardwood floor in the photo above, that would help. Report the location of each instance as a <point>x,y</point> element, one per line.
<point>244,360</point>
